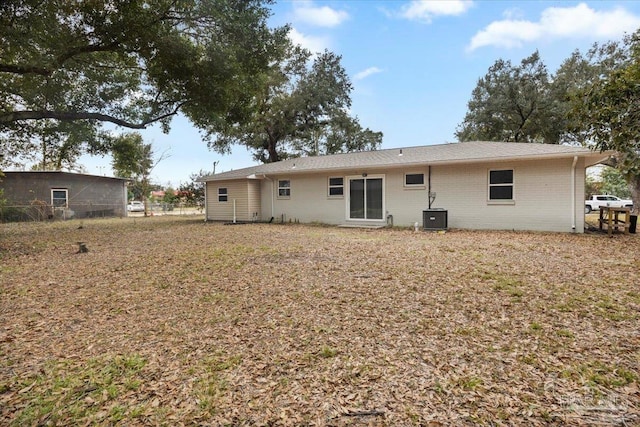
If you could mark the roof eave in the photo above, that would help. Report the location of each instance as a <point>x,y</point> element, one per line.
<point>591,158</point>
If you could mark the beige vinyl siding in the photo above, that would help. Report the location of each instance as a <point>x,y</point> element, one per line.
<point>253,197</point>
<point>246,196</point>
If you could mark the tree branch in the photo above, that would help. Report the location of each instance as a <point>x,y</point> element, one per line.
<point>61,59</point>
<point>24,69</point>
<point>14,116</point>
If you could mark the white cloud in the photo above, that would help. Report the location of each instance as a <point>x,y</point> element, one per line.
<point>313,44</point>
<point>580,21</point>
<point>426,10</point>
<point>366,73</point>
<point>305,12</point>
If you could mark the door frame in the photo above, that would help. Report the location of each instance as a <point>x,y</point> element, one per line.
<point>348,197</point>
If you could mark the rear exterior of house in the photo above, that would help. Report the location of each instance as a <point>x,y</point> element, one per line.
<point>53,194</point>
<point>238,199</point>
<point>509,187</point>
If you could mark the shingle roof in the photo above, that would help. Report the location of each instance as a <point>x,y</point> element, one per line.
<point>466,152</point>
<point>34,173</point>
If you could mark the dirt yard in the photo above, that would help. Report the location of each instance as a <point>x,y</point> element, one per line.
<point>170,321</point>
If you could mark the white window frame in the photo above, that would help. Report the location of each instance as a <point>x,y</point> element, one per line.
<point>221,194</point>
<point>512,184</point>
<point>330,186</point>
<point>66,198</point>
<point>284,188</point>
<point>414,185</point>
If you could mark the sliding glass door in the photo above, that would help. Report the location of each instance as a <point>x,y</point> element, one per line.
<point>366,198</point>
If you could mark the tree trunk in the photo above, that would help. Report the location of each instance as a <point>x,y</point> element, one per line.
<point>634,186</point>
<point>273,153</point>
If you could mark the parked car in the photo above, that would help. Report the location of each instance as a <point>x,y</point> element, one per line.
<point>135,206</point>
<point>598,200</point>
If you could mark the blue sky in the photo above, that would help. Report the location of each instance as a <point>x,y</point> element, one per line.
<point>413,64</point>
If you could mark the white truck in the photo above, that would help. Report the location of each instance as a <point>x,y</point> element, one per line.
<point>597,200</point>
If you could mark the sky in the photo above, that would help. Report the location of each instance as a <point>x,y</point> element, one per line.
<point>413,64</point>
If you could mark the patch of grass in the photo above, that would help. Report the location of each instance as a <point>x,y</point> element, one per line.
<point>468,382</point>
<point>597,373</point>
<point>466,331</point>
<point>501,283</point>
<point>529,359</point>
<point>217,363</point>
<point>535,327</point>
<point>63,393</point>
<point>213,297</point>
<point>610,309</point>
<point>327,352</point>
<point>565,333</point>
<point>212,385</point>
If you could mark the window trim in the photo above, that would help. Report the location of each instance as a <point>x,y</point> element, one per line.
<point>512,184</point>
<point>66,197</point>
<point>413,185</point>
<point>330,186</point>
<point>285,188</point>
<point>221,194</point>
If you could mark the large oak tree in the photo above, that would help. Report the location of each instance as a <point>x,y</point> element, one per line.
<point>302,109</point>
<point>130,63</point>
<point>512,103</point>
<point>607,111</point>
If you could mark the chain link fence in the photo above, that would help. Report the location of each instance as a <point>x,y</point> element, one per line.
<point>42,211</point>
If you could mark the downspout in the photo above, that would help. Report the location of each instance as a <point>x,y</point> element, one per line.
<point>573,193</point>
<point>429,193</point>
<point>234,211</point>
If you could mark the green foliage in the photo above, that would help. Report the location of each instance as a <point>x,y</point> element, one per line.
<point>68,67</point>
<point>614,183</point>
<point>592,100</point>
<point>512,103</point>
<point>301,111</point>
<point>193,191</point>
<point>134,159</point>
<point>592,186</point>
<point>607,112</point>
<point>169,195</point>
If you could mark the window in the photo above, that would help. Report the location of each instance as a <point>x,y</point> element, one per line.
<point>413,179</point>
<point>501,184</point>
<point>336,187</point>
<point>222,195</point>
<point>59,197</point>
<point>284,188</point>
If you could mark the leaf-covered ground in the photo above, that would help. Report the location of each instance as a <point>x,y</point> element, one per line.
<point>170,321</point>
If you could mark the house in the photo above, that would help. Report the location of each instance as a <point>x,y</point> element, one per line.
<point>473,185</point>
<point>41,195</point>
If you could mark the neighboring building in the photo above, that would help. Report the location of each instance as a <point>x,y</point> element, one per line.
<point>53,194</point>
<point>481,185</point>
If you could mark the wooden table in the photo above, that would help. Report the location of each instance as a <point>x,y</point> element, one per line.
<point>611,217</point>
